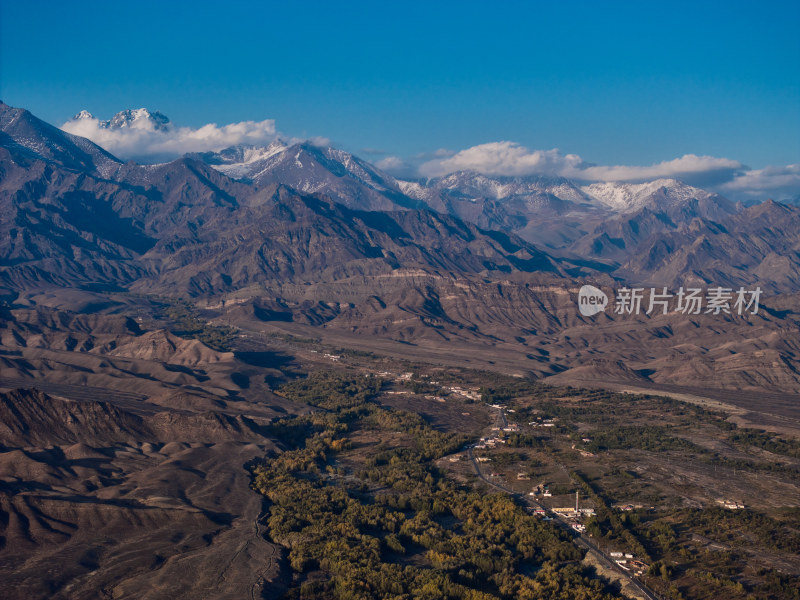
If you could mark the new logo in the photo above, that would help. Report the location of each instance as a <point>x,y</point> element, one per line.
<point>591,300</point>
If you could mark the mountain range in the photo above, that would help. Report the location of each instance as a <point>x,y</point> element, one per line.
<point>305,240</point>
<point>109,222</point>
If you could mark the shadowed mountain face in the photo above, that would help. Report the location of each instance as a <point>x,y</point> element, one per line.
<point>60,227</point>
<point>304,238</point>
<point>31,418</point>
<point>73,214</point>
<point>184,227</point>
<point>98,500</point>
<point>662,210</point>
<point>290,238</point>
<point>125,475</point>
<point>758,246</point>
<point>645,233</point>
<point>30,138</point>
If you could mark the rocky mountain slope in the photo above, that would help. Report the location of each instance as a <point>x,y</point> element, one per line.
<point>98,500</point>
<point>312,169</point>
<point>121,225</point>
<point>297,238</point>
<point>29,138</point>
<point>263,253</point>
<point>757,246</point>
<point>187,227</point>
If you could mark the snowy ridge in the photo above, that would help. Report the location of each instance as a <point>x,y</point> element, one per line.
<point>627,197</point>
<point>49,143</point>
<point>135,118</point>
<point>105,164</point>
<point>364,172</point>
<point>414,189</point>
<point>306,162</point>
<point>475,187</point>
<point>241,162</point>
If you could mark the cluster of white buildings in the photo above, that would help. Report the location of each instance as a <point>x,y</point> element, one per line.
<point>489,442</point>
<point>472,394</point>
<point>627,507</point>
<point>730,504</point>
<point>436,398</point>
<point>629,563</point>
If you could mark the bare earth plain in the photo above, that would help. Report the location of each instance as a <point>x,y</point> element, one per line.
<point>125,440</point>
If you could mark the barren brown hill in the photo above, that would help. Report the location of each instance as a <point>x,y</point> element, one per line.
<point>167,493</point>
<point>31,418</point>
<point>296,238</point>
<point>162,346</point>
<point>267,258</point>
<point>185,228</point>
<point>759,246</point>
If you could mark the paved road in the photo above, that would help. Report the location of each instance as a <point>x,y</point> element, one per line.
<point>502,418</point>
<point>581,540</point>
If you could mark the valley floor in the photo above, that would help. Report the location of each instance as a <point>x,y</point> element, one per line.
<point>128,473</point>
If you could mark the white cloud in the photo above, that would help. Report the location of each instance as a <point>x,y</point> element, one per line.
<point>501,158</point>
<point>776,182</point>
<point>392,164</point>
<point>512,159</point>
<point>726,176</point>
<point>144,140</point>
<point>699,170</point>
<point>317,140</point>
<point>440,153</point>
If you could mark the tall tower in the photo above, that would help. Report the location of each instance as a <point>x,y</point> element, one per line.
<point>576,502</point>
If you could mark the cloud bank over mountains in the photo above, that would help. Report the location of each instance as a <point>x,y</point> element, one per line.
<point>142,135</point>
<point>150,137</point>
<point>770,182</point>
<point>512,159</point>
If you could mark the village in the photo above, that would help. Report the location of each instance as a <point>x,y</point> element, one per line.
<point>534,449</point>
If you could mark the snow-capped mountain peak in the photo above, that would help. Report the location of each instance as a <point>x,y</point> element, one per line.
<point>627,197</point>
<point>84,114</point>
<point>243,160</point>
<point>137,118</point>
<point>476,187</point>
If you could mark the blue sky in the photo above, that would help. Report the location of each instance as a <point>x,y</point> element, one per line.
<point>617,83</point>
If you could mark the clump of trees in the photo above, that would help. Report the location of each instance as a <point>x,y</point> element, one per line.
<point>765,441</point>
<point>421,387</point>
<point>332,391</point>
<point>523,440</point>
<point>397,528</point>
<point>185,323</point>
<point>608,524</point>
<point>652,438</point>
<point>727,526</point>
<point>716,573</point>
